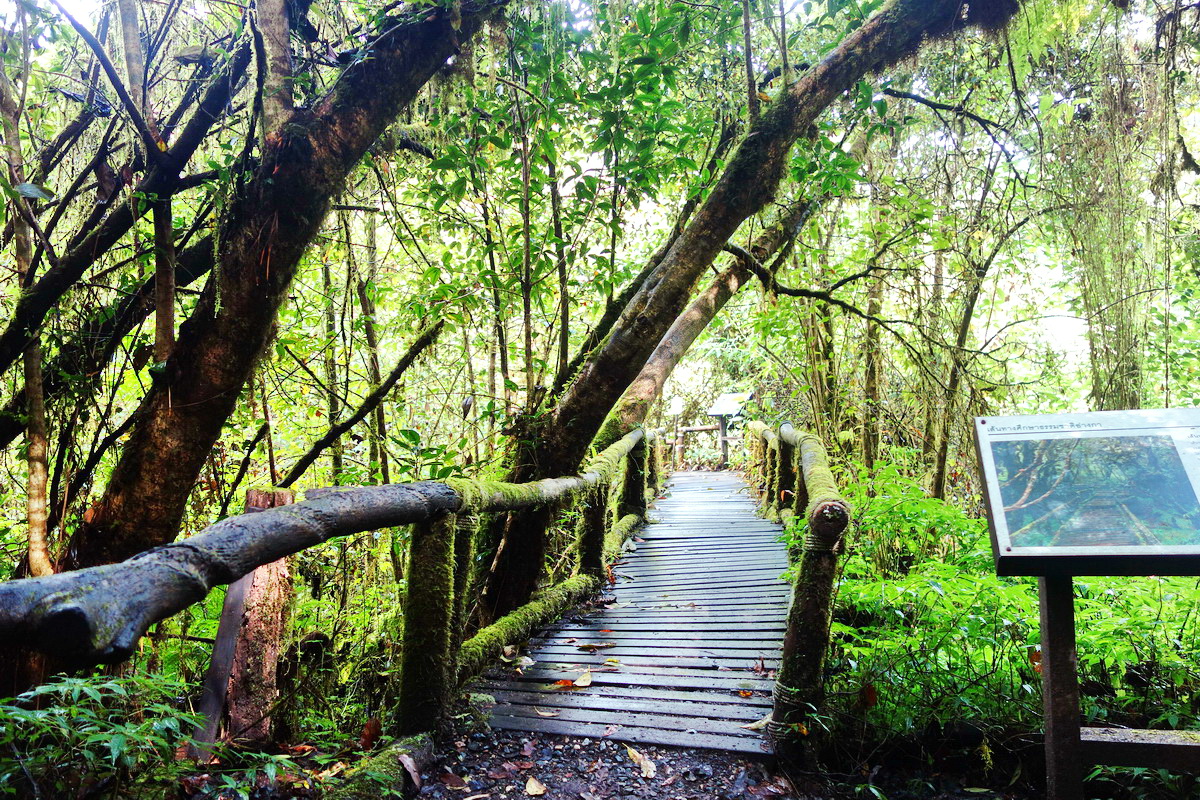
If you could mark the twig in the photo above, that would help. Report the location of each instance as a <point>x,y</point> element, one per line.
<point>152,142</point>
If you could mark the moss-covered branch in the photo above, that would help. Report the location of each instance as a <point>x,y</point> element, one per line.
<point>486,646</point>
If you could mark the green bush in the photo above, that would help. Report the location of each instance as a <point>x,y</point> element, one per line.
<point>931,647</point>
<point>100,735</point>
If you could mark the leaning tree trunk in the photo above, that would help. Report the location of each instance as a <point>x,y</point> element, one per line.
<point>263,234</point>
<point>559,441</point>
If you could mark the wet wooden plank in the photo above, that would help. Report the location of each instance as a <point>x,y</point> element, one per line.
<point>698,699</point>
<point>678,708</point>
<point>637,735</point>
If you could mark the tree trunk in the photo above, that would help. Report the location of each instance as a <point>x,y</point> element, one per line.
<point>265,231</point>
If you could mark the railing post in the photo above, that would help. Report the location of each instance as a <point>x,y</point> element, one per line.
<point>799,688</point>
<point>787,468</point>
<point>654,461</point>
<point>633,491</point>
<point>592,526</point>
<point>429,612</point>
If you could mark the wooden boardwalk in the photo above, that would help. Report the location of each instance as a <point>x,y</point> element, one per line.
<point>686,655</point>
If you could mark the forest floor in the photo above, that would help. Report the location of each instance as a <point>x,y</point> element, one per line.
<point>479,763</point>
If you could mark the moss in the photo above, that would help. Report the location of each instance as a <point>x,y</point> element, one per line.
<point>374,777</point>
<point>426,676</point>
<point>614,540</point>
<point>486,645</point>
<point>481,495</point>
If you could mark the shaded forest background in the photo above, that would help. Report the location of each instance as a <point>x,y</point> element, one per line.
<point>320,244</point>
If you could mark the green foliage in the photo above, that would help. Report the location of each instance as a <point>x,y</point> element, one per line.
<point>932,647</point>
<point>96,733</point>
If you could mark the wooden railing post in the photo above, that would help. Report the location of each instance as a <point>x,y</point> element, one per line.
<point>799,688</point>
<point>429,612</point>
<point>786,484</point>
<point>592,526</point>
<point>654,460</point>
<point>633,492</point>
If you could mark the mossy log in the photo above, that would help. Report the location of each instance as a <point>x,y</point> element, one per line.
<point>384,772</point>
<point>487,645</point>
<point>618,534</point>
<point>97,615</point>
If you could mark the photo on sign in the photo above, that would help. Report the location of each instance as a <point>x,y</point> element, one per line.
<point>1100,491</point>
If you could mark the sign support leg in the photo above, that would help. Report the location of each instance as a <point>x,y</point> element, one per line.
<point>1060,689</point>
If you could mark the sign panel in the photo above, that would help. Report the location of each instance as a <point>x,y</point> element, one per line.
<point>1105,493</point>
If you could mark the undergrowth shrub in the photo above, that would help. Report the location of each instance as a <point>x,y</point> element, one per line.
<point>933,652</point>
<point>92,736</point>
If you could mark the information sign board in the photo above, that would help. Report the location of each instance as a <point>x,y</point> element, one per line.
<point>1105,493</point>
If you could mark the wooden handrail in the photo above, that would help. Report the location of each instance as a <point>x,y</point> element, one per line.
<point>97,615</point>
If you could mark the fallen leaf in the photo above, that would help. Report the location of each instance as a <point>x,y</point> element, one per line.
<point>541,713</point>
<point>411,768</point>
<point>337,768</point>
<point>477,796</point>
<point>500,773</point>
<point>757,726</point>
<point>524,765</point>
<point>452,781</point>
<point>534,787</point>
<point>372,728</point>
<point>648,769</point>
<point>565,683</point>
<point>527,749</point>
<point>606,630</point>
<point>745,693</point>
<point>585,679</point>
<point>592,647</point>
<point>610,729</point>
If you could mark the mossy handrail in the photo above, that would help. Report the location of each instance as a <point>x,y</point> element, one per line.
<point>97,615</point>
<point>791,470</point>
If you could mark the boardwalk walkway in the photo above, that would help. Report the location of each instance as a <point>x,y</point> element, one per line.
<point>687,652</point>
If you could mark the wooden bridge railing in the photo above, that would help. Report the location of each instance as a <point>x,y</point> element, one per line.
<point>97,615</point>
<point>791,471</point>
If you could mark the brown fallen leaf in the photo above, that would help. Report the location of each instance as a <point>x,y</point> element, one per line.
<point>585,679</point>
<point>501,773</point>
<point>534,787</point>
<point>411,768</point>
<point>592,647</point>
<point>527,748</point>
<point>541,713</point>
<point>648,768</point>
<point>565,683</point>
<point>452,781</point>
<point>610,729</point>
<point>523,765</point>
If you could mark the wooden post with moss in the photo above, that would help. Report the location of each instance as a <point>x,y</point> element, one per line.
<point>427,676</point>
<point>654,462</point>
<point>593,522</point>
<point>633,491</point>
<point>799,688</point>
<point>785,485</point>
